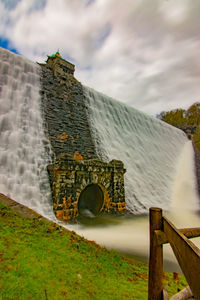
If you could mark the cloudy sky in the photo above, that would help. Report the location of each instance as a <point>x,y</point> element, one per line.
<point>145,53</point>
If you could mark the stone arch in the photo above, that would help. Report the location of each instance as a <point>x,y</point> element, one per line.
<point>70,179</point>
<point>91,199</point>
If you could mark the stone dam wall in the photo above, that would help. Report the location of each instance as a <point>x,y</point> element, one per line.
<point>64,111</point>
<point>80,181</point>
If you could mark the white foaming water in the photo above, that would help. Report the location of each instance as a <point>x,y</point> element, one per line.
<point>23,158</point>
<point>149,149</point>
<point>160,172</point>
<point>131,236</point>
<point>158,158</point>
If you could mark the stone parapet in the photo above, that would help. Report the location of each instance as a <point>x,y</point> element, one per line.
<point>60,66</point>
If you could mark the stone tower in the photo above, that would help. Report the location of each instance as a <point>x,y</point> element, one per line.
<point>80,181</point>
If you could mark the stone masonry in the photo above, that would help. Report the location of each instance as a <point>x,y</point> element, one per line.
<point>69,178</point>
<point>64,110</point>
<point>79,180</point>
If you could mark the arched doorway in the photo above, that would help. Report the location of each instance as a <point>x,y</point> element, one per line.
<point>91,200</point>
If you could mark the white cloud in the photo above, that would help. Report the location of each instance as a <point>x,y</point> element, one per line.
<point>144,53</point>
<point>175,13</point>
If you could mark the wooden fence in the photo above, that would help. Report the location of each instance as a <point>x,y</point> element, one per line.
<point>162,231</point>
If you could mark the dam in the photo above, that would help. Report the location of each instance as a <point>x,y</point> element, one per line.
<point>68,148</point>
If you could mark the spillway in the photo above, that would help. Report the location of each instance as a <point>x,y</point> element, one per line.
<point>150,150</point>
<point>158,158</point>
<point>24,149</point>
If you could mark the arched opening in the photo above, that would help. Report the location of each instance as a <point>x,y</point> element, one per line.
<point>91,200</point>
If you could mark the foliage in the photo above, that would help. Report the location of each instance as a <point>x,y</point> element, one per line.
<point>196,137</point>
<point>185,119</point>
<point>179,117</point>
<point>41,260</point>
<point>193,114</point>
<point>173,117</point>
<point>57,54</point>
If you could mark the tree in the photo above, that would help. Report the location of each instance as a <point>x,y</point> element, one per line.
<point>193,114</point>
<point>185,119</point>
<point>196,137</point>
<point>174,117</point>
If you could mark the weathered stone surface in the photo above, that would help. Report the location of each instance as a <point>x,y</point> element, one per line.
<point>64,111</point>
<point>76,162</point>
<point>60,66</point>
<point>70,178</point>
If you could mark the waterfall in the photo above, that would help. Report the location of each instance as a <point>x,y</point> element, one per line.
<point>150,149</point>
<point>158,158</point>
<point>24,150</point>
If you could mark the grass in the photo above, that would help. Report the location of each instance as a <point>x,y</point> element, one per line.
<point>41,260</point>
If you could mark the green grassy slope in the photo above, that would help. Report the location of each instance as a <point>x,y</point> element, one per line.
<point>41,260</point>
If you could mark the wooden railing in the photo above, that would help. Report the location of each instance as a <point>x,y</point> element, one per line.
<point>162,231</point>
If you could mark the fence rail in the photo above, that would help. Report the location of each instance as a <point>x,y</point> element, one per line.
<point>162,231</point>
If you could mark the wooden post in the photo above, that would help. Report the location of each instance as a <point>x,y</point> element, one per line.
<point>155,289</point>
<point>187,254</point>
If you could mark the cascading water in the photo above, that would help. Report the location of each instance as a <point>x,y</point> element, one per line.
<point>130,235</point>
<point>149,149</point>
<point>23,157</point>
<point>158,157</point>
<point>160,172</point>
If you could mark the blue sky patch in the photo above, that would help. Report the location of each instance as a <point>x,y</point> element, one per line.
<point>4,43</point>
